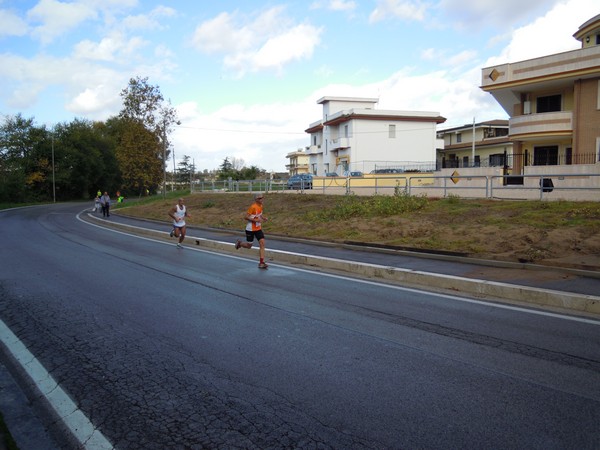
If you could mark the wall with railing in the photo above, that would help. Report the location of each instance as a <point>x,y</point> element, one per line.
<point>575,183</point>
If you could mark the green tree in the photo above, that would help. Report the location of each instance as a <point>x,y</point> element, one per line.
<point>137,152</point>
<point>227,171</point>
<point>185,171</point>
<point>144,104</point>
<point>21,170</point>
<point>250,173</point>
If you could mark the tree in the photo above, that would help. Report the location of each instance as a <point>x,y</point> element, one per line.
<point>226,170</point>
<point>144,104</point>
<point>24,160</point>
<point>185,170</point>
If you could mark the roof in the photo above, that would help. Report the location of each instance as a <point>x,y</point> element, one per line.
<point>588,27</point>
<point>469,126</point>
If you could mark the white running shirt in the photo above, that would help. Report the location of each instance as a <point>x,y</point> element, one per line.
<point>179,213</point>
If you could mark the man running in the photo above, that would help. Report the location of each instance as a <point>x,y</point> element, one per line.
<point>254,220</point>
<point>178,213</point>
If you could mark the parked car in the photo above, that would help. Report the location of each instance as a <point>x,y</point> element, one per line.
<point>331,174</point>
<point>356,174</point>
<point>387,171</point>
<point>301,181</point>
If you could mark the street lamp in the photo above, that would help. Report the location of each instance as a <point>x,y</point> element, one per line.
<point>164,163</point>
<point>53,171</point>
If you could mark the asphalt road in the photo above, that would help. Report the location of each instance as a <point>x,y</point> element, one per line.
<point>163,348</point>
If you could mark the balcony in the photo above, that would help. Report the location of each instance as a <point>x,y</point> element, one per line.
<point>536,126</point>
<point>314,150</point>
<point>339,143</point>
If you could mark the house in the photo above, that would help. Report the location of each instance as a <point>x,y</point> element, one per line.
<point>483,144</point>
<point>353,136</point>
<point>553,104</point>
<point>298,162</point>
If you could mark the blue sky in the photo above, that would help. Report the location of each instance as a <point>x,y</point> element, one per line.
<point>245,76</point>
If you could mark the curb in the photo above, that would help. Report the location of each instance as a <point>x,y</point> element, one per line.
<point>431,281</point>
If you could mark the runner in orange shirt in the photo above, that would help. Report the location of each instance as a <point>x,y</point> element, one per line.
<point>255,218</point>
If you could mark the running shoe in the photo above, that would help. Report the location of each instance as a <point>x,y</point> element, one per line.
<point>172,233</point>
<point>179,245</point>
<point>263,266</point>
<point>238,244</point>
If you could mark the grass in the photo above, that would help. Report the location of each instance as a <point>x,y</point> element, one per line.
<point>484,228</point>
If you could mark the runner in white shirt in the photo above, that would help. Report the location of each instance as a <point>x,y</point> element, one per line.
<point>178,213</point>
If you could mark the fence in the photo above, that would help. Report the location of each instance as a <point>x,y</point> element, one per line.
<point>522,159</point>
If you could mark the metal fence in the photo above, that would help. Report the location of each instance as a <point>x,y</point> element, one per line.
<point>580,186</point>
<point>521,159</point>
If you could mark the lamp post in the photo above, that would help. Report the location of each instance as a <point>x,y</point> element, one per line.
<point>53,171</point>
<point>164,163</point>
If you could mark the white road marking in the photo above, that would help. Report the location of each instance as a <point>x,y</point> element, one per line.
<point>87,436</point>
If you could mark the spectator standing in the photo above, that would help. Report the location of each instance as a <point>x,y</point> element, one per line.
<point>105,202</point>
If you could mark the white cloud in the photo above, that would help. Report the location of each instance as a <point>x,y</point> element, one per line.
<point>116,47</point>
<point>296,44</point>
<point>402,9</point>
<point>58,18</point>
<point>11,24</point>
<point>269,41</point>
<point>549,34</point>
<point>151,21</point>
<point>334,5</point>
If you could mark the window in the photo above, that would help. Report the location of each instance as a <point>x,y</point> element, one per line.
<point>497,160</point>
<point>569,156</point>
<point>458,138</point>
<point>549,103</point>
<point>314,140</point>
<point>545,156</point>
<point>465,161</point>
<point>392,131</point>
<point>346,134</point>
<point>477,161</point>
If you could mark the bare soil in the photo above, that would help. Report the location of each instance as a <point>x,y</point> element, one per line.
<point>563,234</point>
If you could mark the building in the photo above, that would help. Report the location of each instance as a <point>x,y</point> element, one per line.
<point>353,136</point>
<point>483,144</point>
<point>298,162</point>
<point>554,107</point>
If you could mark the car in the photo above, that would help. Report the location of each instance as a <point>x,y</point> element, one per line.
<point>301,181</point>
<point>356,174</point>
<point>387,171</point>
<point>331,174</point>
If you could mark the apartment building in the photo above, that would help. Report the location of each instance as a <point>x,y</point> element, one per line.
<point>353,136</point>
<point>298,162</point>
<point>554,106</point>
<point>482,144</point>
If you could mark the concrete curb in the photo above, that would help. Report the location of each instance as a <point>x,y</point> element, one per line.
<point>431,281</point>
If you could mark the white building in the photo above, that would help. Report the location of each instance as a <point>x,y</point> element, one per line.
<point>354,136</point>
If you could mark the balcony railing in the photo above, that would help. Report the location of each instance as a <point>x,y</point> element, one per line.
<point>527,159</point>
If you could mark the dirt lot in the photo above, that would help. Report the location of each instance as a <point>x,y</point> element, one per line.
<point>550,233</point>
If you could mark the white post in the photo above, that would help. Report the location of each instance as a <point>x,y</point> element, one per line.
<point>473,150</point>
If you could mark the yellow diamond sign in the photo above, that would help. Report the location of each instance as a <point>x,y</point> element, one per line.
<point>455,176</point>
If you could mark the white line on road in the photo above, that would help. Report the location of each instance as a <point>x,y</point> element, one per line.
<point>87,436</point>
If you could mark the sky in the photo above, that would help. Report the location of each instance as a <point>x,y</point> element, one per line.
<point>245,76</point>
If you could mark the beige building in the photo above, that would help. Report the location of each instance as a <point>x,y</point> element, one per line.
<point>298,162</point>
<point>483,144</point>
<point>554,106</point>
